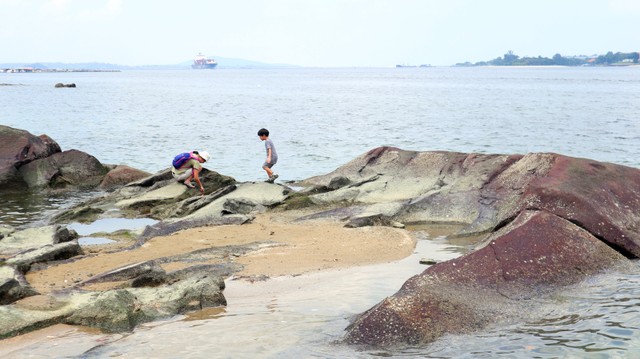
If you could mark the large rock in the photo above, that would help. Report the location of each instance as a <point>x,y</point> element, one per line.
<point>485,191</point>
<point>18,147</point>
<point>532,256</point>
<point>551,219</point>
<point>69,168</point>
<point>118,309</point>
<point>28,161</point>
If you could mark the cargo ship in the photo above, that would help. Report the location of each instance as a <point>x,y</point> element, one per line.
<point>203,62</point>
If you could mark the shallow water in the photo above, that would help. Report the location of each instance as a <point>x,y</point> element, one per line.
<point>322,118</point>
<point>109,225</point>
<point>31,208</point>
<point>305,317</point>
<point>92,241</point>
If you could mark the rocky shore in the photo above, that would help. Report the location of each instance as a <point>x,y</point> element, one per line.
<point>547,221</point>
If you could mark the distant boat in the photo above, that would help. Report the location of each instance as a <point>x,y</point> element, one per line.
<point>203,62</point>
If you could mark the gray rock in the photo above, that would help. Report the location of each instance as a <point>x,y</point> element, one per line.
<point>24,240</point>
<point>338,182</point>
<point>128,272</point>
<point>117,310</point>
<point>241,206</point>
<point>123,309</point>
<point>47,253</point>
<point>13,286</point>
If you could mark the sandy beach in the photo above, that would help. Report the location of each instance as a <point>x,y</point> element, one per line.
<point>287,248</point>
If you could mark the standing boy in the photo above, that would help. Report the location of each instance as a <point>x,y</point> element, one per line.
<point>272,155</point>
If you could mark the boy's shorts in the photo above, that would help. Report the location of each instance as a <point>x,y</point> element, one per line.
<point>182,176</point>
<point>269,165</point>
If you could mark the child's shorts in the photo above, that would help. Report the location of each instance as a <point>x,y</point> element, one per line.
<point>182,176</point>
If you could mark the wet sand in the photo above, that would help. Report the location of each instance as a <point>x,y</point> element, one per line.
<point>291,249</point>
<point>320,249</point>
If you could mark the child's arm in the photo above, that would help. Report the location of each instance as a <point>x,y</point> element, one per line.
<point>196,176</point>
<point>269,155</point>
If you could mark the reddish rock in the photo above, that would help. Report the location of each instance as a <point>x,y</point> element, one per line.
<point>603,198</point>
<point>536,253</point>
<point>18,147</point>
<point>52,146</point>
<point>553,220</point>
<point>122,175</point>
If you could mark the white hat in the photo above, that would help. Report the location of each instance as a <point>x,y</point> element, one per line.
<point>205,155</point>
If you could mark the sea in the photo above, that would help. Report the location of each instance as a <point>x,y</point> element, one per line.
<point>319,119</point>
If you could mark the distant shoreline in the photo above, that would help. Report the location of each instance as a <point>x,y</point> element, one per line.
<point>29,70</point>
<point>546,66</point>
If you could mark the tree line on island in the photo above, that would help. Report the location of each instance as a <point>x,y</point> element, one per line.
<point>610,59</point>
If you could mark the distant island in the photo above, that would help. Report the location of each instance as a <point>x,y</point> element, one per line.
<point>610,59</point>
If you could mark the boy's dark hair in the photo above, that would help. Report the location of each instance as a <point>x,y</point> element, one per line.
<point>263,132</point>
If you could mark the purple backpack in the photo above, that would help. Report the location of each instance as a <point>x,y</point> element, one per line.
<point>181,159</point>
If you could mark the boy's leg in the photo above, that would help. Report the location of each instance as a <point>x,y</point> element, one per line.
<point>184,177</point>
<point>272,176</point>
<point>267,168</point>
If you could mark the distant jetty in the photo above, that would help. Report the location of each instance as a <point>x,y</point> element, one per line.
<point>33,70</point>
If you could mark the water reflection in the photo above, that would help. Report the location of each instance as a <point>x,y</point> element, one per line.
<point>108,225</point>
<point>598,319</point>
<point>35,208</point>
<point>88,241</point>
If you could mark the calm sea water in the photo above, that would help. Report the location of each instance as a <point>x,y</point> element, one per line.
<point>320,119</point>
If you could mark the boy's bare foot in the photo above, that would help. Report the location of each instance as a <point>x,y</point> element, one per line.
<point>189,184</point>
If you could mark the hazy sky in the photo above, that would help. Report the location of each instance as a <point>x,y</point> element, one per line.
<point>312,32</point>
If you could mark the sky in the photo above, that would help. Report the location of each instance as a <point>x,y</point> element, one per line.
<point>314,33</point>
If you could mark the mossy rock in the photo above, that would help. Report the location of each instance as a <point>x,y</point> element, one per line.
<point>298,201</point>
